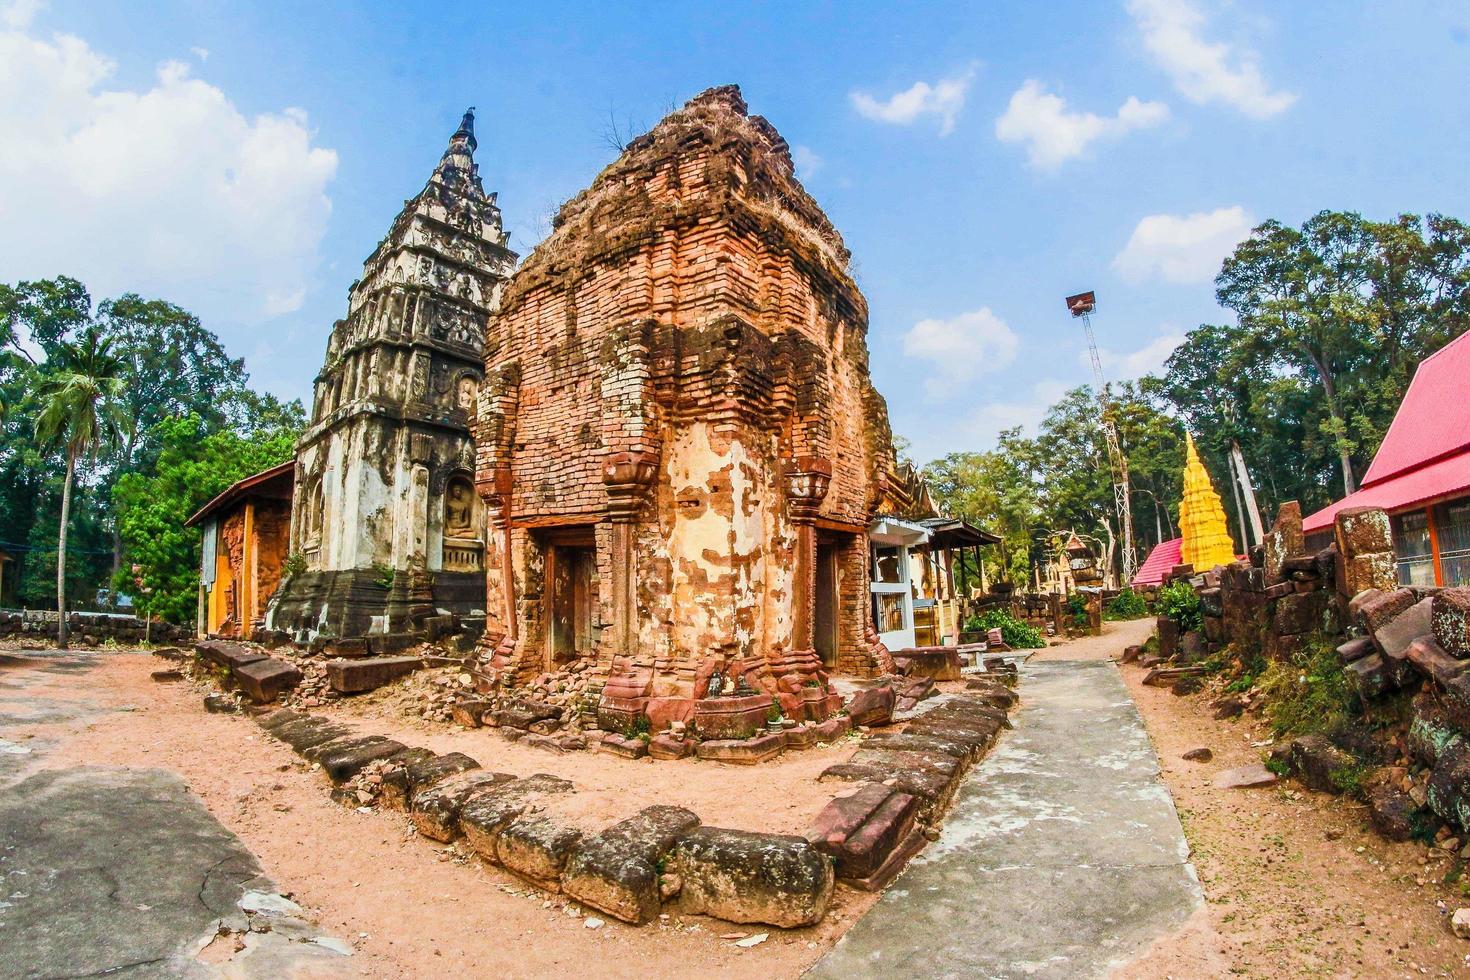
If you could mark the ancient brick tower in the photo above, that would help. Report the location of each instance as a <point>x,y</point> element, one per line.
<point>384,510</point>
<point>680,448</point>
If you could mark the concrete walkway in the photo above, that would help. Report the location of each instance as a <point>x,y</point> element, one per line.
<point>1063,856</point>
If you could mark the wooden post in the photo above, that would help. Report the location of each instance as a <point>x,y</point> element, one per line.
<point>1434,546</point>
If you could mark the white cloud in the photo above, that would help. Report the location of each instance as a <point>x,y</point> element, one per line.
<point>168,190</point>
<point>1054,134</point>
<point>201,53</point>
<point>1183,248</point>
<point>961,348</point>
<point>17,15</point>
<point>1204,71</point>
<point>989,419</point>
<point>807,162</point>
<point>1148,359</point>
<point>944,100</point>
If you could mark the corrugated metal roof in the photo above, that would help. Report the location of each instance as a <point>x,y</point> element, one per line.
<point>1434,418</point>
<point>1164,557</point>
<point>1426,454</point>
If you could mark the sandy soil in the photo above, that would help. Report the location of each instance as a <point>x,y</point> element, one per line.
<point>412,907</point>
<point>1296,883</point>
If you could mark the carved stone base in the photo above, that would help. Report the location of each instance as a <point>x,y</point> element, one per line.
<point>352,598</point>
<point>737,717</point>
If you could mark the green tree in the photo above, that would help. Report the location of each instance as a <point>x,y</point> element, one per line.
<point>193,465</point>
<point>79,412</point>
<point>994,490</point>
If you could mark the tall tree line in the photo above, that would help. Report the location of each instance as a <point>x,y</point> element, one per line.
<point>1330,321</point>
<point>91,399</point>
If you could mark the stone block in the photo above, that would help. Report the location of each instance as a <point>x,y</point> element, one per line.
<point>353,676</point>
<point>230,656</point>
<point>1393,637</point>
<point>919,761</point>
<point>616,871</point>
<point>1356,649</point>
<point>435,809</point>
<point>1299,612</point>
<point>832,729</point>
<point>620,714</point>
<point>1376,570</point>
<point>1168,638</point>
<point>343,763</point>
<point>308,732</point>
<point>536,847</point>
<point>742,751</point>
<point>873,707</point>
<point>1450,621</point>
<point>1314,760</point>
<point>400,785</point>
<point>1373,609</point>
<point>350,740</point>
<point>1391,811</point>
<point>470,714</point>
<point>741,876</point>
<point>667,747</point>
<point>662,712</point>
<point>266,679</point>
<point>1279,590</point>
<point>1362,530</point>
<point>484,815</point>
<point>910,742</point>
<point>1431,660</point>
<point>861,830</point>
<point>384,644</point>
<point>1449,784</point>
<point>940,663</point>
<point>1370,676</point>
<point>931,789</point>
<point>733,717</point>
<point>628,748</point>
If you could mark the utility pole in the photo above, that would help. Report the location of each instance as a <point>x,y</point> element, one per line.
<point>1081,307</point>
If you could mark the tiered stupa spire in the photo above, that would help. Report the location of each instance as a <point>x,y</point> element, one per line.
<point>1202,516</point>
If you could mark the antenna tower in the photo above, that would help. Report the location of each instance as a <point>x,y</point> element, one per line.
<point>1081,307</point>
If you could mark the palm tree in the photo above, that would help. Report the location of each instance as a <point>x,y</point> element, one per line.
<point>80,410</point>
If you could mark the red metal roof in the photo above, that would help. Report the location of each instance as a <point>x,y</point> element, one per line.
<point>1434,419</point>
<point>1445,478</point>
<point>274,482</point>
<point>1165,556</point>
<point>1426,454</point>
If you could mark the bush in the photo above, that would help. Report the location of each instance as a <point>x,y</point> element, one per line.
<point>1126,605</point>
<point>1310,693</point>
<point>1180,602</point>
<point>1077,610</point>
<point>1016,633</point>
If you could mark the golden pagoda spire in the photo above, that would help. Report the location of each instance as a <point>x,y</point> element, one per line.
<point>1202,517</point>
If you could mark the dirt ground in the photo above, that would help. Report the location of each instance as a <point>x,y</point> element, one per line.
<point>414,908</point>
<point>1296,883</point>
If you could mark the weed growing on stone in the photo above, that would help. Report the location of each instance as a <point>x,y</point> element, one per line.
<point>1309,693</point>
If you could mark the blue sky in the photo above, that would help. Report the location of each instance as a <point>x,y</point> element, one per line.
<point>982,160</point>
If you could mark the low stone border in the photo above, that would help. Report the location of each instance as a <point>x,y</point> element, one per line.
<point>663,854</point>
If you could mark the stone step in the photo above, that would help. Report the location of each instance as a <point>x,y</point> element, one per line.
<point>354,676</point>
<point>616,871</point>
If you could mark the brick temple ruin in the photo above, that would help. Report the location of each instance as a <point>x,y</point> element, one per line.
<point>680,449</point>
<point>384,511</point>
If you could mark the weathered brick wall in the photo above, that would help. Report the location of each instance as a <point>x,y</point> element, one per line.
<point>693,305</point>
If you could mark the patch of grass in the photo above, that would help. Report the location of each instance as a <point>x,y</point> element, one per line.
<point>1423,825</point>
<point>1280,767</point>
<point>1309,693</point>
<point>1349,779</point>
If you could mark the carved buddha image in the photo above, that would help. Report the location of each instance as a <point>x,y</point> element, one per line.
<point>458,509</point>
<point>467,394</point>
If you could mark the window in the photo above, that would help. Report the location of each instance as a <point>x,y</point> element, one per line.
<point>1412,550</point>
<point>893,602</point>
<point>1452,527</point>
<point>888,565</point>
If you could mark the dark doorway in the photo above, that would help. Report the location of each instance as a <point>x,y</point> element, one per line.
<point>571,595</point>
<point>824,612</point>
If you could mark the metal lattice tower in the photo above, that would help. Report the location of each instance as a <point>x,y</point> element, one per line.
<point>1081,307</point>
